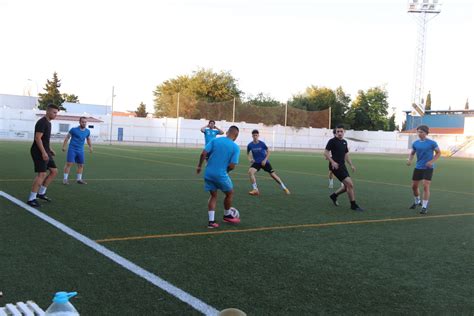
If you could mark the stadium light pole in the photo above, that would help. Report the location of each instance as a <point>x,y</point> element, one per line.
<point>111,116</point>
<point>423,11</point>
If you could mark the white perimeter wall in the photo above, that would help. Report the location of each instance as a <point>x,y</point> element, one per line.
<point>16,123</point>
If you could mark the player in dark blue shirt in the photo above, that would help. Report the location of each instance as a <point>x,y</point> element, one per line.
<point>259,160</point>
<point>75,152</point>
<point>423,148</point>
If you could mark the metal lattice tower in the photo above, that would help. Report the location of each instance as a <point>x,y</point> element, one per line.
<point>423,11</point>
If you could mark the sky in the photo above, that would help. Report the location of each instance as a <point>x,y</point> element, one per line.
<point>277,47</point>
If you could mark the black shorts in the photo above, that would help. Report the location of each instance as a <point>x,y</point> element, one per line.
<point>422,174</point>
<point>340,173</point>
<point>268,167</point>
<point>40,164</point>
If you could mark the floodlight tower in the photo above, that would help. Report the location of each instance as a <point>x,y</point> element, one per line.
<point>423,11</point>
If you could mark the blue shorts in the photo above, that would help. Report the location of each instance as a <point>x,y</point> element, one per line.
<point>223,183</point>
<point>76,156</point>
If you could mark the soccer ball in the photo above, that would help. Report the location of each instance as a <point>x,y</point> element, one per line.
<point>234,212</point>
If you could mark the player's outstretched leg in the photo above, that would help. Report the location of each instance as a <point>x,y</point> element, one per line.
<point>278,180</point>
<point>416,194</point>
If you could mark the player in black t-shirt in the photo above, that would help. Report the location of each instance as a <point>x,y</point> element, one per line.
<point>337,153</point>
<point>42,156</point>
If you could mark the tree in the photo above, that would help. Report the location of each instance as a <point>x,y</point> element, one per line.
<point>391,123</point>
<point>72,98</point>
<point>321,98</point>
<point>204,85</point>
<point>52,94</point>
<point>262,100</point>
<point>141,110</point>
<point>428,102</point>
<point>369,110</point>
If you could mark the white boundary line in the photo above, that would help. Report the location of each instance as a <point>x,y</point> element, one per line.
<point>183,296</point>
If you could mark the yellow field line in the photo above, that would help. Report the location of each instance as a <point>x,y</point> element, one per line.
<point>291,171</point>
<point>272,228</point>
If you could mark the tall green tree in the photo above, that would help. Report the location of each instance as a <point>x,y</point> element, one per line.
<point>52,94</point>
<point>204,85</point>
<point>391,123</point>
<point>72,98</point>
<point>369,110</point>
<point>263,100</point>
<point>428,102</point>
<point>141,110</point>
<point>321,98</point>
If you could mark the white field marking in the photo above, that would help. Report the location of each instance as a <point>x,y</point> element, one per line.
<point>125,179</point>
<point>183,296</point>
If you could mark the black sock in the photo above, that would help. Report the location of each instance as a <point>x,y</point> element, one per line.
<point>353,203</point>
<point>334,195</point>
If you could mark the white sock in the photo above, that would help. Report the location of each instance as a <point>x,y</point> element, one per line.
<point>425,203</point>
<point>79,176</point>
<point>342,185</point>
<point>227,212</point>
<point>331,181</point>
<point>42,190</point>
<point>211,215</point>
<point>417,200</point>
<point>254,186</point>
<point>66,175</point>
<point>283,186</point>
<point>32,196</point>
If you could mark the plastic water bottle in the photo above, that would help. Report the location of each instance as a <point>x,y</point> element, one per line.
<point>61,305</point>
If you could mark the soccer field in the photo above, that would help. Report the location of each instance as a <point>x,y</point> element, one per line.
<point>292,254</point>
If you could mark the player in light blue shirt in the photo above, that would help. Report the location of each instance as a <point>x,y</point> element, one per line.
<point>258,153</point>
<point>75,152</point>
<point>423,148</point>
<point>223,155</point>
<point>211,131</point>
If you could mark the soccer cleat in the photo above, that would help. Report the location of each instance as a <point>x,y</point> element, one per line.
<point>287,191</point>
<point>231,219</point>
<point>43,197</point>
<point>212,224</point>
<point>357,208</point>
<point>33,203</point>
<point>414,205</point>
<point>81,182</point>
<point>423,210</point>
<point>254,192</point>
<point>333,197</point>
<point>65,182</point>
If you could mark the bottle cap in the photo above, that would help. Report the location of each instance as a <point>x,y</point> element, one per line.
<point>63,297</point>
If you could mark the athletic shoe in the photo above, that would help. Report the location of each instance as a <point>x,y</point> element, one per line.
<point>212,224</point>
<point>414,205</point>
<point>254,192</point>
<point>333,197</point>
<point>231,219</point>
<point>81,182</point>
<point>287,191</point>
<point>423,211</point>
<point>65,182</point>
<point>43,197</point>
<point>357,208</point>
<point>33,203</point>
